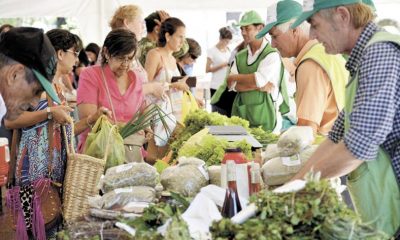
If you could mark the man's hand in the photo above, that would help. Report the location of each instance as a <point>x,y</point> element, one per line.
<point>163,16</point>
<point>268,88</point>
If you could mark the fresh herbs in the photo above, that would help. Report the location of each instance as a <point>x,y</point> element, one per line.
<point>157,215</point>
<point>143,119</point>
<point>312,213</point>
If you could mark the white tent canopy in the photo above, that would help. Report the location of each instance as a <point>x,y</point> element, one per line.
<point>199,15</point>
<point>202,18</point>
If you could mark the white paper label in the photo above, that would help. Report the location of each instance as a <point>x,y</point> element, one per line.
<point>202,169</point>
<point>123,168</point>
<point>242,179</point>
<point>291,161</point>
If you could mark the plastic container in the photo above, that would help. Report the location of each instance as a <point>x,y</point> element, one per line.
<point>4,159</point>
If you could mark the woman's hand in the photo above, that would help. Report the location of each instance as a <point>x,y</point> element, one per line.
<point>61,114</point>
<point>200,102</point>
<point>92,118</point>
<point>181,84</point>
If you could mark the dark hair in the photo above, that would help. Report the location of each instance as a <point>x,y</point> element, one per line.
<point>4,26</point>
<point>62,39</point>
<point>119,42</point>
<point>168,26</point>
<point>150,23</point>
<point>93,47</point>
<point>194,48</point>
<point>225,33</point>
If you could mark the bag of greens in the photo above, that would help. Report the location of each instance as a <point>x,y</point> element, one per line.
<point>100,137</point>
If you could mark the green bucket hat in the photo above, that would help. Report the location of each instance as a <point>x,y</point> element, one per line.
<point>182,51</point>
<point>280,12</point>
<point>370,3</point>
<point>310,7</point>
<point>249,18</point>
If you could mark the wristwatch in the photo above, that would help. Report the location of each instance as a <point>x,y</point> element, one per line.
<point>49,113</point>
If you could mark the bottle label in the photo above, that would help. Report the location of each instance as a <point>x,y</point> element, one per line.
<point>291,161</point>
<point>230,170</point>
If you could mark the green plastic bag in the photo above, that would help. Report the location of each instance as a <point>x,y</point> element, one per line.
<point>98,139</point>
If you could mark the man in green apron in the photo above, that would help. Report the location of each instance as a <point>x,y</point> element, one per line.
<point>320,78</point>
<point>258,76</point>
<point>364,143</point>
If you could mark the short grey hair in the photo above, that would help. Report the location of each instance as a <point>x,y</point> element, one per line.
<point>304,26</point>
<point>7,61</point>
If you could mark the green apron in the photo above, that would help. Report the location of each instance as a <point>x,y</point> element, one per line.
<point>373,185</point>
<point>255,106</point>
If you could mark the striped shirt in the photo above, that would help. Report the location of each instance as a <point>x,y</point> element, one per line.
<point>375,119</point>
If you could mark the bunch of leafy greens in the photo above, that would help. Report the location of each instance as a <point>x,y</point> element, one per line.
<point>263,136</point>
<point>197,120</point>
<point>211,149</point>
<point>157,215</point>
<point>312,213</point>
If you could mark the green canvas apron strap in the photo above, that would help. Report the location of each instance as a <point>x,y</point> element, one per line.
<point>373,185</point>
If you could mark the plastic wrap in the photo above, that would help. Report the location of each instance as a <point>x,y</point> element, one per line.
<point>215,175</point>
<point>280,170</point>
<point>129,175</point>
<point>118,198</point>
<point>294,140</point>
<point>272,151</point>
<point>187,178</point>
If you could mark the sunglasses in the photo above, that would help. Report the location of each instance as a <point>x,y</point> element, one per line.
<point>194,57</point>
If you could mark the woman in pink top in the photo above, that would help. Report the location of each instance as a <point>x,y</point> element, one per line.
<point>124,84</point>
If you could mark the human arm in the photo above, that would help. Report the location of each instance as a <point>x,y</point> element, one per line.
<point>331,159</point>
<point>313,88</point>
<point>153,64</point>
<point>210,68</point>
<point>268,72</point>
<point>88,117</point>
<point>60,115</point>
<point>156,89</point>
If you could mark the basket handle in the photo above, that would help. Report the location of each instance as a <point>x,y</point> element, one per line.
<point>70,145</point>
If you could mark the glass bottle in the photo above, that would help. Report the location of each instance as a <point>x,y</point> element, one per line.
<point>231,204</point>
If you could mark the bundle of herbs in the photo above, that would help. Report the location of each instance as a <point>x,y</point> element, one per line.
<point>157,215</point>
<point>312,213</point>
<point>144,118</point>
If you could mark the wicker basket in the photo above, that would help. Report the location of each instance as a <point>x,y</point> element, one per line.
<point>82,176</point>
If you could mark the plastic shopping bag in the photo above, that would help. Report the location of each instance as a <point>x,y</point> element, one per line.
<point>98,139</point>
<point>163,129</point>
<point>189,104</point>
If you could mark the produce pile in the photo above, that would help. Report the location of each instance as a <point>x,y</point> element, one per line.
<point>157,215</point>
<point>212,149</point>
<point>195,121</point>
<point>312,213</point>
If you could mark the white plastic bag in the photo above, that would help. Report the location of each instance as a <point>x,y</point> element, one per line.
<point>161,134</point>
<point>187,178</point>
<point>294,140</point>
<point>280,170</point>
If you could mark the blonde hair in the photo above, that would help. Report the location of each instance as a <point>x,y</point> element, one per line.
<point>128,12</point>
<point>360,14</point>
